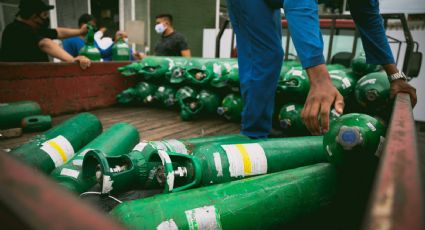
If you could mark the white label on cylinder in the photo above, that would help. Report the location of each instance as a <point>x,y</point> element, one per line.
<point>175,146</point>
<point>290,108</point>
<point>77,162</point>
<point>346,82</point>
<point>107,184</point>
<point>167,225</point>
<point>59,149</point>
<point>217,69</point>
<point>370,81</point>
<point>371,126</point>
<point>205,218</point>
<point>246,159</point>
<point>139,147</point>
<point>380,146</point>
<point>70,172</point>
<point>217,163</point>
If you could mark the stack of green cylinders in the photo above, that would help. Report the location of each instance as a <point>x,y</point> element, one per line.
<point>264,202</point>
<point>56,146</point>
<point>294,85</point>
<point>119,139</point>
<point>140,92</point>
<point>11,114</point>
<point>373,92</point>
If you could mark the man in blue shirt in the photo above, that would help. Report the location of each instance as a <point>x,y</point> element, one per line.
<point>257,24</point>
<point>73,45</point>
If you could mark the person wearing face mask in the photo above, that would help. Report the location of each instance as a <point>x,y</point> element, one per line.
<point>171,43</point>
<point>73,45</point>
<point>29,39</point>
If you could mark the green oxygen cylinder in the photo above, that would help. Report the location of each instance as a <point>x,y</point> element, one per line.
<point>224,72</point>
<point>343,83</point>
<point>354,139</point>
<point>209,164</point>
<point>197,73</point>
<point>181,94</point>
<point>177,73</point>
<point>89,49</point>
<point>11,114</point>
<point>37,123</point>
<point>162,96</point>
<point>291,122</point>
<point>130,69</point>
<point>210,101</point>
<point>332,67</point>
<point>373,92</point>
<point>119,139</point>
<point>56,146</point>
<point>190,108</point>
<point>140,92</point>
<point>131,170</point>
<point>294,85</point>
<point>120,51</point>
<point>288,65</point>
<point>265,202</point>
<point>231,107</point>
<point>361,68</point>
<point>155,68</point>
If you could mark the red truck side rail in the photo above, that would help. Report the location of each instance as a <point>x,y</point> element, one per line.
<point>396,200</point>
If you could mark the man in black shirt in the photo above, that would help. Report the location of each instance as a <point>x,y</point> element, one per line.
<point>28,38</point>
<point>171,43</point>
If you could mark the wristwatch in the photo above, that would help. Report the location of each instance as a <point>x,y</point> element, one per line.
<point>396,76</point>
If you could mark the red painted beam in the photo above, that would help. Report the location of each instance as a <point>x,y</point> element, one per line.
<point>397,199</point>
<point>62,87</point>
<point>327,23</point>
<point>29,199</point>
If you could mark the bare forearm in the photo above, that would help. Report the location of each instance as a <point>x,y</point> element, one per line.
<point>67,32</point>
<point>317,75</point>
<point>51,48</point>
<point>185,53</point>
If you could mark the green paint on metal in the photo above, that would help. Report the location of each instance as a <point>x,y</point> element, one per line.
<point>290,120</point>
<point>142,168</point>
<point>354,139</point>
<point>163,96</point>
<point>294,85</point>
<point>120,51</point>
<point>142,92</point>
<point>54,147</point>
<point>343,82</point>
<point>373,92</point>
<point>263,202</point>
<point>231,107</point>
<point>37,123</point>
<point>89,49</point>
<point>361,68</point>
<point>11,114</point>
<point>119,139</point>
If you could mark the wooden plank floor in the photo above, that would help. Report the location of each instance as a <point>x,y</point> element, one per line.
<point>152,124</point>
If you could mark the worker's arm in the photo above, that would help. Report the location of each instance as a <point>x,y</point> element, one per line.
<point>185,53</point>
<point>303,22</point>
<point>370,24</point>
<point>68,32</point>
<point>48,46</point>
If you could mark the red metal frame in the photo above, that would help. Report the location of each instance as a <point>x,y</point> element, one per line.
<point>30,199</point>
<point>327,23</point>
<point>63,87</point>
<point>397,198</point>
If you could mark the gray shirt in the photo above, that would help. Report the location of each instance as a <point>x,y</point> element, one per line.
<point>171,45</point>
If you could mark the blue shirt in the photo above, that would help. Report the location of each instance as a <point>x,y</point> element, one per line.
<point>73,45</point>
<point>303,22</point>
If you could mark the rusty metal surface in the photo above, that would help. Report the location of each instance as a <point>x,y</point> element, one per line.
<point>397,198</point>
<point>29,199</point>
<point>62,88</point>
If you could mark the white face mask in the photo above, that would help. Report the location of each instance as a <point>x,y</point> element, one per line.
<point>160,28</point>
